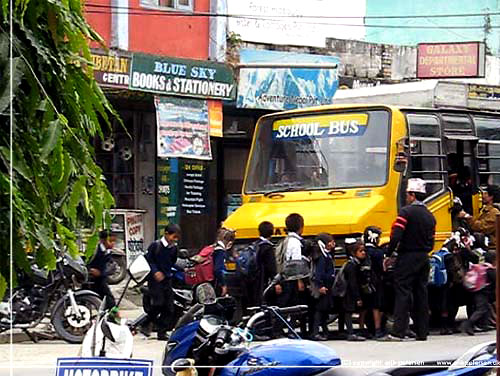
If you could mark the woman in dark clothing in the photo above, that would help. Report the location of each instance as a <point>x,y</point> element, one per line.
<point>321,284</point>
<point>352,299</point>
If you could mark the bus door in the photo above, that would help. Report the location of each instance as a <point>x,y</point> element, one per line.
<point>427,161</point>
<point>460,147</point>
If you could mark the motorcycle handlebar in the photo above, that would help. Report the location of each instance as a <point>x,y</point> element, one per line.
<point>298,309</point>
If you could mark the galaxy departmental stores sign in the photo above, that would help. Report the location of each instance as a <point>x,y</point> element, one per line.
<point>173,76</point>
<point>441,60</point>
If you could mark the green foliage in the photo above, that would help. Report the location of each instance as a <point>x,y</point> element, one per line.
<point>58,109</point>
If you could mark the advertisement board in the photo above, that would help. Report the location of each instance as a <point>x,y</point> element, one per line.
<point>111,69</point>
<point>103,367</point>
<point>183,128</point>
<point>295,22</point>
<point>285,88</point>
<point>450,60</point>
<point>176,76</point>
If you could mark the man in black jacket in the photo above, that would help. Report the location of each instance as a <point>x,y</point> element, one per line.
<point>97,267</point>
<point>266,261</point>
<point>412,238</point>
<point>161,256</point>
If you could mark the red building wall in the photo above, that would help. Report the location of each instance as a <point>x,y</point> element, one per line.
<point>154,34</point>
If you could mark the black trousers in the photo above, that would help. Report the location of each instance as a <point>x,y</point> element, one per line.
<point>291,296</point>
<point>100,287</point>
<point>411,275</point>
<point>162,305</point>
<point>482,309</point>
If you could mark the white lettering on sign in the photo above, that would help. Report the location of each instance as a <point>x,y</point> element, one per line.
<point>343,127</point>
<point>101,372</point>
<point>296,130</point>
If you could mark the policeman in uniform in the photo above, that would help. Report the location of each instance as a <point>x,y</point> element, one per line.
<point>412,238</point>
<point>97,267</point>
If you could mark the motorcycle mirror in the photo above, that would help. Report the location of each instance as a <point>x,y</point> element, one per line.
<point>205,294</point>
<point>139,269</point>
<point>106,331</point>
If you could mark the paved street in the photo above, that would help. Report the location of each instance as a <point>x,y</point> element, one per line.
<point>39,359</point>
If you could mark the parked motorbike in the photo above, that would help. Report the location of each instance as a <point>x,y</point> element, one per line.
<point>109,335</point>
<point>183,300</point>
<point>205,336</point>
<point>55,293</point>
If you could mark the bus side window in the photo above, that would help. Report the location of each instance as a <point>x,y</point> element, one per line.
<point>488,150</point>
<point>426,155</point>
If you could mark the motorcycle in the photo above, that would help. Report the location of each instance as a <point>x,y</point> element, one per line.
<point>55,293</point>
<point>204,335</point>
<point>109,335</point>
<point>183,300</point>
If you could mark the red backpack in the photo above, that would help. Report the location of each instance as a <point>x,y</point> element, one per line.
<point>203,268</point>
<point>475,279</point>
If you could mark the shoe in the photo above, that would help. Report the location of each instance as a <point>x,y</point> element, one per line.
<point>467,328</point>
<point>355,338</point>
<point>162,337</point>
<point>145,330</point>
<point>445,331</point>
<point>390,338</point>
<point>410,334</point>
<point>421,338</point>
<point>318,337</point>
<point>379,334</point>
<point>366,334</point>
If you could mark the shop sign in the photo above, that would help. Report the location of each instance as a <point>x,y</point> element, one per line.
<point>194,192</point>
<point>296,22</point>
<point>484,92</point>
<point>183,128</point>
<point>167,176</point>
<point>175,76</point>
<point>135,235</point>
<point>449,60</point>
<point>215,118</point>
<point>285,88</point>
<point>103,367</point>
<point>111,70</point>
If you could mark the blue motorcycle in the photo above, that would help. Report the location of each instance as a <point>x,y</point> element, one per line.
<point>204,335</point>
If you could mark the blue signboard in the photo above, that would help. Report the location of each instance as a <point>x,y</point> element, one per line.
<point>285,88</point>
<point>103,367</point>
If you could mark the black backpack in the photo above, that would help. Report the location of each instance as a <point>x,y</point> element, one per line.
<point>246,261</point>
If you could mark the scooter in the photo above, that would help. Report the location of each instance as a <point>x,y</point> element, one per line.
<point>110,336</point>
<point>205,336</point>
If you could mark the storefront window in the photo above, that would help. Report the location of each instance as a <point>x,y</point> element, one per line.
<point>115,155</point>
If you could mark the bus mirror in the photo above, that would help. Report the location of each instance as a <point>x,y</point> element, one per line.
<point>401,163</point>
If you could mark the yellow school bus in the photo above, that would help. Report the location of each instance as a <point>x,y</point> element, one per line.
<point>345,167</point>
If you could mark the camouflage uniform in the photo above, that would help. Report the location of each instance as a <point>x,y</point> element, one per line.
<point>485,223</point>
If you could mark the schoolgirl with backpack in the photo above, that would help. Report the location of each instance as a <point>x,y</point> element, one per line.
<point>481,281</point>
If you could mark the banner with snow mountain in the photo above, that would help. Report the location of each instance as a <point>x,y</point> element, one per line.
<point>283,87</point>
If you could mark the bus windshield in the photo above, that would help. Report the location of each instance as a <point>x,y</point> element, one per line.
<point>323,151</point>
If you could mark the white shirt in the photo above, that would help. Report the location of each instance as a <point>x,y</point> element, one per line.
<point>164,241</point>
<point>294,247</point>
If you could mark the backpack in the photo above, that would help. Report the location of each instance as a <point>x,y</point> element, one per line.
<point>203,268</point>
<point>339,287</point>
<point>475,278</point>
<point>438,276</point>
<point>279,254</point>
<point>246,262</point>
